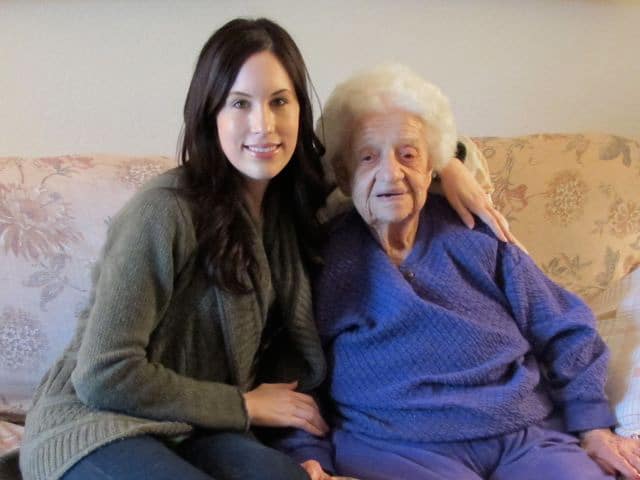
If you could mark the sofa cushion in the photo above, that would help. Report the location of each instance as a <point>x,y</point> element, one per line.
<point>618,312</point>
<point>54,213</point>
<point>573,201</point>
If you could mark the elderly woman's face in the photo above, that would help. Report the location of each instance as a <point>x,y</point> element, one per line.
<point>389,167</point>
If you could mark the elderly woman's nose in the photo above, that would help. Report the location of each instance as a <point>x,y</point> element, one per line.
<point>261,120</point>
<point>390,167</point>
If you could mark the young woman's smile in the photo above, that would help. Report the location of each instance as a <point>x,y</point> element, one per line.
<point>264,151</point>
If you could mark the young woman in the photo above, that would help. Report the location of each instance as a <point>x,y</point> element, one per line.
<point>200,325</point>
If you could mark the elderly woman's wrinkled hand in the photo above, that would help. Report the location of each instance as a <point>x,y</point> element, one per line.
<point>466,196</point>
<point>614,454</point>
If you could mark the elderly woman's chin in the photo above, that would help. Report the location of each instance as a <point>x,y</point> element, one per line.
<point>390,210</point>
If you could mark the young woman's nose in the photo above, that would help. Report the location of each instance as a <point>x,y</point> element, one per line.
<point>262,120</point>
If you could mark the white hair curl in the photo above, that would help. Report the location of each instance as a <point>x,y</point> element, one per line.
<point>388,86</point>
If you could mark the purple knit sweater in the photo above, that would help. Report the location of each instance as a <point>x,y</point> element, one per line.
<point>466,339</point>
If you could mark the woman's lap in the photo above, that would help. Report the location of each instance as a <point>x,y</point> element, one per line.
<point>140,458</point>
<point>231,456</point>
<point>221,456</point>
<point>385,461</point>
<point>533,452</point>
<point>536,450</point>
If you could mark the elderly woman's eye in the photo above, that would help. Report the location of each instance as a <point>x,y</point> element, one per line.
<point>366,158</point>
<point>408,154</point>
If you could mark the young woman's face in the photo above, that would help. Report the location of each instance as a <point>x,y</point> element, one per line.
<point>258,123</point>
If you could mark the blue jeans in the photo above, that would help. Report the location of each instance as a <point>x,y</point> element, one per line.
<point>219,456</point>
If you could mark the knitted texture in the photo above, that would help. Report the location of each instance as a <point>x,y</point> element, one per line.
<point>162,350</point>
<point>452,345</point>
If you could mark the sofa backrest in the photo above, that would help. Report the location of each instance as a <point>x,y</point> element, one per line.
<point>54,214</point>
<point>573,201</point>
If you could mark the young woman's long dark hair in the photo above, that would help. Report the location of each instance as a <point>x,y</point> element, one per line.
<point>213,185</point>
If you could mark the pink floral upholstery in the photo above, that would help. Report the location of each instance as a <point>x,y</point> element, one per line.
<point>53,218</point>
<point>574,202</point>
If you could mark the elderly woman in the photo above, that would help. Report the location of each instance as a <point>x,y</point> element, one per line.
<point>451,355</point>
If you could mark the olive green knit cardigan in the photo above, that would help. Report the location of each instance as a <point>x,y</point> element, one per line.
<point>160,350</point>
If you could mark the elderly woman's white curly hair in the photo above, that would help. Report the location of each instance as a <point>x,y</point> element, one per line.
<point>388,86</point>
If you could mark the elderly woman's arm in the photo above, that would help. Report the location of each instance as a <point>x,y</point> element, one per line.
<point>313,453</point>
<point>561,330</point>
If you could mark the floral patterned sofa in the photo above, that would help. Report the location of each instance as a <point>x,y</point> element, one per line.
<point>573,200</point>
<point>54,213</point>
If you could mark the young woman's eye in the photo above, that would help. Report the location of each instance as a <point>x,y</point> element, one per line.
<point>240,103</point>
<point>280,101</point>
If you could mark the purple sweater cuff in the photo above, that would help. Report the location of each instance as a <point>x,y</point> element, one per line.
<point>582,416</point>
<point>319,454</point>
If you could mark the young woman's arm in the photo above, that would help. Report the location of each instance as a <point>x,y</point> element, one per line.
<point>468,189</point>
<point>467,197</point>
<point>148,243</point>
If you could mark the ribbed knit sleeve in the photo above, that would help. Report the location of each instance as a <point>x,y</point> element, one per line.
<point>147,245</point>
<point>561,329</point>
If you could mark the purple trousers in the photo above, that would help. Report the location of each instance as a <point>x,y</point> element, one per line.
<point>533,453</point>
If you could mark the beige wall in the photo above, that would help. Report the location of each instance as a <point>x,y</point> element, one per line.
<point>110,76</point>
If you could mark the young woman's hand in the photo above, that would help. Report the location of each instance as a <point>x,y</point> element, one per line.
<point>614,454</point>
<point>466,196</point>
<point>279,405</point>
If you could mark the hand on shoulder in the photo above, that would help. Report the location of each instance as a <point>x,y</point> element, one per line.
<point>467,197</point>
